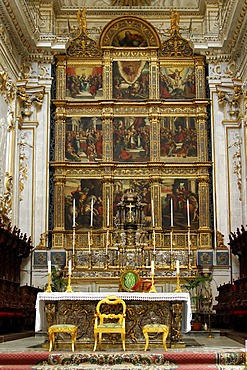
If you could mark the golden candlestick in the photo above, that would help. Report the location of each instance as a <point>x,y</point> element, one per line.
<point>69,288</point>
<point>178,287</point>
<point>48,288</point>
<point>152,289</point>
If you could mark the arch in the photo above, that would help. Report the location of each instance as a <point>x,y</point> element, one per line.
<point>129,31</point>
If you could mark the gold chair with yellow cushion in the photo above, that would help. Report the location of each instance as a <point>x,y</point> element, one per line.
<point>62,328</point>
<point>155,328</point>
<point>106,321</point>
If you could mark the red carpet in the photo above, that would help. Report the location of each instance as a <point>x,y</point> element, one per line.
<point>124,360</point>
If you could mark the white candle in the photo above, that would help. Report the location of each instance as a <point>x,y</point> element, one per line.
<point>70,267</point>
<point>91,223</point>
<point>177,266</point>
<point>171,212</point>
<point>152,267</point>
<point>73,241</point>
<point>49,267</point>
<point>89,242</point>
<point>73,212</point>
<point>108,213</point>
<point>188,212</point>
<point>245,345</point>
<point>152,210</point>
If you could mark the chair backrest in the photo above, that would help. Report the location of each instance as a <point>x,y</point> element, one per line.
<point>112,300</point>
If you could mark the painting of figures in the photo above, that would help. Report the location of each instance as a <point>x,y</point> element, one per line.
<point>131,139</point>
<point>141,187</point>
<point>178,138</point>
<point>177,83</point>
<point>84,82</point>
<point>83,141</point>
<point>130,80</point>
<point>129,38</point>
<point>87,196</point>
<point>182,196</point>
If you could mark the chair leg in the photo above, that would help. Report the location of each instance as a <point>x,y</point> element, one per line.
<point>100,340</point>
<point>147,340</point>
<point>51,341</point>
<point>123,340</point>
<point>164,341</point>
<point>95,341</point>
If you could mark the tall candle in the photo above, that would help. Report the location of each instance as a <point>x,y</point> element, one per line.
<point>73,241</point>
<point>91,223</point>
<point>152,210</point>
<point>73,212</point>
<point>171,212</point>
<point>177,266</point>
<point>49,267</point>
<point>189,242</point>
<point>89,242</point>
<point>108,213</point>
<point>188,212</point>
<point>70,267</point>
<point>152,267</point>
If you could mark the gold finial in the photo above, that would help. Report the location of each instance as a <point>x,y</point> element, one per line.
<point>174,20</point>
<point>81,17</point>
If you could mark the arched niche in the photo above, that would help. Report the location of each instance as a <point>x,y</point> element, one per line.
<point>130,32</point>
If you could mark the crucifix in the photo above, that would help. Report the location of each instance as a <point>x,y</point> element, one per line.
<point>130,206</point>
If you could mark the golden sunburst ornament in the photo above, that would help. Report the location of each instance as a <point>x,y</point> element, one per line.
<point>131,2</point>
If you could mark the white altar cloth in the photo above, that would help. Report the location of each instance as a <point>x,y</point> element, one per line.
<point>41,323</point>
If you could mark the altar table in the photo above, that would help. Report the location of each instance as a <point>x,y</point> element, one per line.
<point>78,308</point>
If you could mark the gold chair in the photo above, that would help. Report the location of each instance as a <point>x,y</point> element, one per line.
<point>109,323</point>
<point>62,328</point>
<point>155,328</point>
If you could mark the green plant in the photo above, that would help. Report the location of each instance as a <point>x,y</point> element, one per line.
<point>58,283</point>
<point>199,288</point>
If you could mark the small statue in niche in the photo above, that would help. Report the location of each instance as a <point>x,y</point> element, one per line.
<point>174,20</point>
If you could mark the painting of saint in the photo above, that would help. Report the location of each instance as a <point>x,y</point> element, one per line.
<point>83,141</point>
<point>88,203</point>
<point>130,80</point>
<point>177,83</point>
<point>178,138</point>
<point>184,196</point>
<point>84,82</point>
<point>129,38</point>
<point>131,139</point>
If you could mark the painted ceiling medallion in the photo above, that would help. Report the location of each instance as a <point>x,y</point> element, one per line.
<point>131,2</point>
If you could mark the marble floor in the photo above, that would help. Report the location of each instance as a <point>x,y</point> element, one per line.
<point>196,342</point>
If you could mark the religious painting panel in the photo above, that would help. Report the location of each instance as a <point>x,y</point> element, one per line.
<point>86,194</point>
<point>179,200</point>
<point>84,82</point>
<point>141,187</point>
<point>178,138</point>
<point>177,82</point>
<point>131,139</point>
<point>129,38</point>
<point>130,79</point>
<point>83,141</point>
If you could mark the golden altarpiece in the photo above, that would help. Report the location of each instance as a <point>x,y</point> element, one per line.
<point>131,169</point>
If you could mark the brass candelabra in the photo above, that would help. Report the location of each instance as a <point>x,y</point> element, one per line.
<point>48,288</point>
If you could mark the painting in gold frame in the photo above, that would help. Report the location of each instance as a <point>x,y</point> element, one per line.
<point>83,142</point>
<point>130,79</point>
<point>177,82</point>
<point>184,195</point>
<point>87,193</point>
<point>131,139</point>
<point>178,138</point>
<point>84,82</point>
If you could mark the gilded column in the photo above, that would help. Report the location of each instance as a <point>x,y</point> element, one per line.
<point>60,128</point>
<point>61,77</point>
<point>154,136</point>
